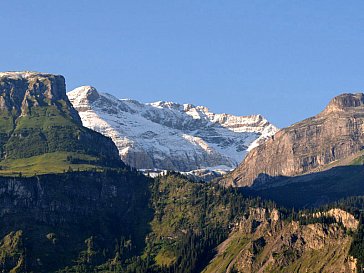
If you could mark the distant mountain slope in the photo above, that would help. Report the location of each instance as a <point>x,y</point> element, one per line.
<point>317,143</point>
<point>167,135</point>
<point>37,121</point>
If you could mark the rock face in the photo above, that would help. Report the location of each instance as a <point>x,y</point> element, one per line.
<point>21,91</point>
<point>49,219</point>
<point>341,216</point>
<point>307,146</point>
<point>170,136</point>
<point>261,242</point>
<point>36,117</point>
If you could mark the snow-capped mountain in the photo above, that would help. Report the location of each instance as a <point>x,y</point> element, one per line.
<point>170,136</point>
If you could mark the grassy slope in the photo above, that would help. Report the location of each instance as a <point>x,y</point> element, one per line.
<point>56,162</point>
<point>45,129</point>
<point>43,140</point>
<point>227,253</point>
<point>323,260</point>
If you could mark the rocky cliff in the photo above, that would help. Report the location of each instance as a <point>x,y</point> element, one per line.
<point>22,91</point>
<point>37,118</point>
<point>170,136</point>
<point>50,222</point>
<point>262,242</point>
<point>307,146</point>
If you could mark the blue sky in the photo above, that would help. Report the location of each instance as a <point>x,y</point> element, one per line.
<point>282,59</point>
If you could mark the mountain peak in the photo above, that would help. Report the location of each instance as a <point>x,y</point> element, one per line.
<point>88,93</point>
<point>169,135</point>
<point>345,102</point>
<point>166,104</point>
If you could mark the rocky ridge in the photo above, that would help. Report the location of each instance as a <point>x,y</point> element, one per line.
<point>307,146</point>
<point>341,216</point>
<point>261,242</point>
